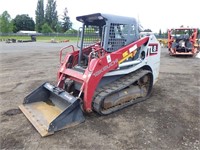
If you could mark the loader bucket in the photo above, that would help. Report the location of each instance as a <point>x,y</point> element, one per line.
<point>50,109</point>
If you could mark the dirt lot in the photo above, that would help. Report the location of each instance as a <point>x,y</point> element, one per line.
<point>170,119</point>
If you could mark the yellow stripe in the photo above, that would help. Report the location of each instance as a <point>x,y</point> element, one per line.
<point>123,59</point>
<point>125,54</point>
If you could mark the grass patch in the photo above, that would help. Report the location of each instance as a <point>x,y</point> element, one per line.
<point>40,38</point>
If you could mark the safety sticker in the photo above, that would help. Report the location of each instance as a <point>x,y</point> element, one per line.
<point>133,48</point>
<point>108,58</point>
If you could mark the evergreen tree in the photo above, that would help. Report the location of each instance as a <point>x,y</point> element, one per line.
<point>46,28</point>
<point>66,23</point>
<point>59,27</point>
<point>39,13</point>
<point>160,32</point>
<point>6,25</point>
<point>51,17</point>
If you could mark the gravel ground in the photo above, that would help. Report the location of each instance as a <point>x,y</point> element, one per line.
<point>169,119</point>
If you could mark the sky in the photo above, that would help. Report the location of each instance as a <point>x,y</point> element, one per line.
<point>152,14</point>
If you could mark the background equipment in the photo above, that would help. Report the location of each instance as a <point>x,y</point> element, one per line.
<point>183,41</point>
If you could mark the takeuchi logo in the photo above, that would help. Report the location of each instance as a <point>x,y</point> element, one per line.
<point>112,63</point>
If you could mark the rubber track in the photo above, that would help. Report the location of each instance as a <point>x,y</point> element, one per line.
<point>116,86</point>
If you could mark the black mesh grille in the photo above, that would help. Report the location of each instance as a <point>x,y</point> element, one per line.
<point>117,36</point>
<point>91,36</point>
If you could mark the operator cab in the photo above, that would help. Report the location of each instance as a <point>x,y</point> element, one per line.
<point>110,31</point>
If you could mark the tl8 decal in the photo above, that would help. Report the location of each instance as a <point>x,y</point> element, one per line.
<point>152,49</point>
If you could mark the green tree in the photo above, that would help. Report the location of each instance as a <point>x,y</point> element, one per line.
<point>59,27</point>
<point>66,23</point>
<point>39,13</point>
<point>160,32</point>
<point>23,22</point>
<point>46,28</point>
<point>71,31</point>
<point>6,25</point>
<point>51,16</point>
<point>147,30</point>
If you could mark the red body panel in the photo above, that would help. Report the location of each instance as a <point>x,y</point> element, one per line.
<point>97,68</point>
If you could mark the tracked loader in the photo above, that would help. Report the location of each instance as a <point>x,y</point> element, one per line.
<point>113,68</point>
<point>183,41</point>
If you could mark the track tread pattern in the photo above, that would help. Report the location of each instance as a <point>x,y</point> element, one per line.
<point>116,86</point>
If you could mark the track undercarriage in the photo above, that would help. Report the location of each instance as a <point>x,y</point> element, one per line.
<point>127,90</point>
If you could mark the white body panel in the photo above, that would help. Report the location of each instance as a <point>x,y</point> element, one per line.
<point>152,60</point>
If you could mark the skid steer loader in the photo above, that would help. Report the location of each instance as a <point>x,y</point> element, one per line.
<point>113,68</point>
<point>183,41</point>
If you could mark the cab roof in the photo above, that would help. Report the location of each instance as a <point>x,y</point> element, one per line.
<point>99,18</point>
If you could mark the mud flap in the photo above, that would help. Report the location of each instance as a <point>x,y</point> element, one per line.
<point>50,109</point>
